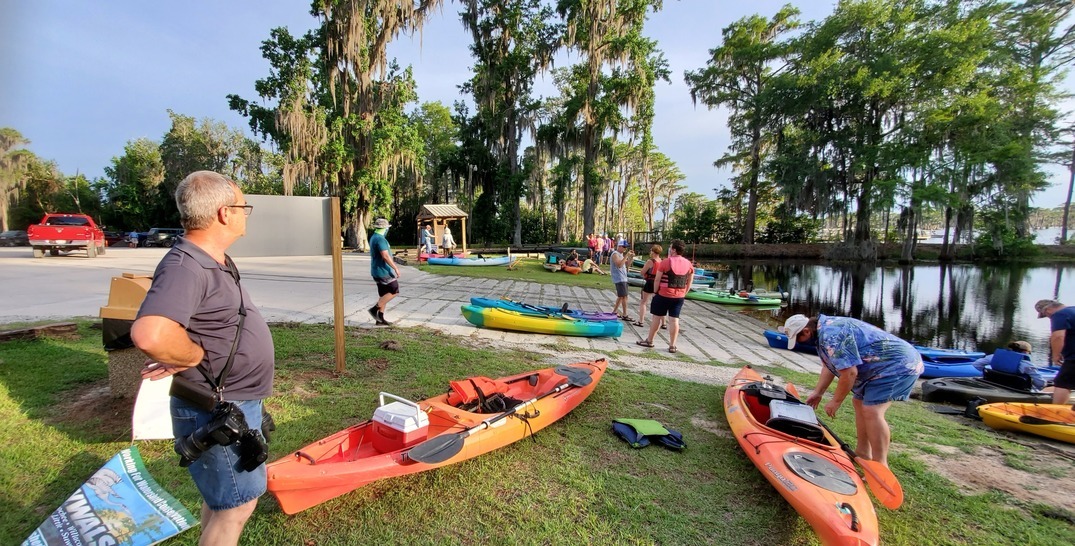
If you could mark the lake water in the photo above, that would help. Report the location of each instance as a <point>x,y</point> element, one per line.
<point>954,306</point>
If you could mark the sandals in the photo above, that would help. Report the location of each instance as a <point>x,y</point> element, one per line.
<point>644,343</point>
<point>672,349</point>
<point>638,323</point>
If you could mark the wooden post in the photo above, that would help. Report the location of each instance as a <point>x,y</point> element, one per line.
<point>464,235</point>
<point>337,281</point>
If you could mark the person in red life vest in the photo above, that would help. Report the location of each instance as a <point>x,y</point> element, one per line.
<point>674,277</point>
<point>649,273</point>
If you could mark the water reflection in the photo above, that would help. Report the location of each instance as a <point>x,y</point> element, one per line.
<point>958,306</point>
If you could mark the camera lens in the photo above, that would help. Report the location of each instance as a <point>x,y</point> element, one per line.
<point>190,448</point>
<point>224,428</point>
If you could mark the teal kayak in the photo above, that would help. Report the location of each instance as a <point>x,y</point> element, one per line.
<point>541,310</point>
<point>503,319</point>
<point>500,260</point>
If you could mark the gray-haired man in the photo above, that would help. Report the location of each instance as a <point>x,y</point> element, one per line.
<point>1061,346</point>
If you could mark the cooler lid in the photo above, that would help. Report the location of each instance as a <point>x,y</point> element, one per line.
<point>401,417</point>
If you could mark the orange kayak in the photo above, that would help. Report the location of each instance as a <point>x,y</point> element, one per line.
<point>800,459</point>
<point>392,443</point>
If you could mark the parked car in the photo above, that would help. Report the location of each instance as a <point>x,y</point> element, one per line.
<point>66,232</point>
<point>162,237</point>
<point>115,237</point>
<point>14,238</point>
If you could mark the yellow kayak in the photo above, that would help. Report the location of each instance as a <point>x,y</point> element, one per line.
<point>554,323</point>
<point>1056,421</point>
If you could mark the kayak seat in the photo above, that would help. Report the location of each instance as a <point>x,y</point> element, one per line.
<point>758,396</point>
<point>1016,381</point>
<point>796,419</point>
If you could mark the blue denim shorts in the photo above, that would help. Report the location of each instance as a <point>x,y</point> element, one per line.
<point>662,306</point>
<point>892,388</point>
<point>221,482</point>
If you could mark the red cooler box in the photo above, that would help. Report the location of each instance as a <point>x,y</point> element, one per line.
<point>399,424</point>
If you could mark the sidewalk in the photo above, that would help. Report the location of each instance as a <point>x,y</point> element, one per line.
<point>299,289</point>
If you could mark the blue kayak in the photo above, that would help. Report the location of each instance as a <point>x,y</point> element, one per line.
<point>949,356</point>
<point>780,341</point>
<point>947,360</point>
<point>541,310</point>
<point>500,260</point>
<point>942,369</point>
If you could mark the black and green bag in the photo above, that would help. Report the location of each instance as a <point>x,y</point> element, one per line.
<point>640,433</point>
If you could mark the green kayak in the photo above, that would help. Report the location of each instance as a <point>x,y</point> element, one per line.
<point>728,298</point>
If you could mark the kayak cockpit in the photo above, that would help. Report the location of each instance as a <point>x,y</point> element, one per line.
<point>775,408</point>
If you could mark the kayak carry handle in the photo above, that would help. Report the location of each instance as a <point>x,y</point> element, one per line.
<point>301,455</point>
<point>854,517</point>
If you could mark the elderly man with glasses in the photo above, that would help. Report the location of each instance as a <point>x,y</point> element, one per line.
<point>198,322</point>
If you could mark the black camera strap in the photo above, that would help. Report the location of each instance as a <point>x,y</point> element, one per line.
<point>218,383</point>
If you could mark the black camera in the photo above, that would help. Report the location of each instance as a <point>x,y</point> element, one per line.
<point>226,426</point>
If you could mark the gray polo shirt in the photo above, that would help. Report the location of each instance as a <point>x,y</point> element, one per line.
<point>192,289</point>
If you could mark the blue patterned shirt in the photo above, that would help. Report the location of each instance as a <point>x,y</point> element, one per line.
<point>844,342</point>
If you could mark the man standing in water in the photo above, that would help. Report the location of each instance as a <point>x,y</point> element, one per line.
<point>876,367</point>
<point>383,269</point>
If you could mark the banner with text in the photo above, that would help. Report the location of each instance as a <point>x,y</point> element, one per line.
<point>121,504</point>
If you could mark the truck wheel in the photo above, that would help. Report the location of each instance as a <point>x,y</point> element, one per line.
<point>39,252</point>
<point>54,252</point>
<point>101,250</point>
<point>167,243</point>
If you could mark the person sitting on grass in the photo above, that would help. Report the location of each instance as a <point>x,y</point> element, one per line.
<point>572,259</point>
<point>590,266</point>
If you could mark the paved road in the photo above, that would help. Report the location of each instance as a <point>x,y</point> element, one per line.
<point>299,289</point>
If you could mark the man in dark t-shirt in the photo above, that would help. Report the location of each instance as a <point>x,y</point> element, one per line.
<point>383,270</point>
<point>187,325</point>
<point>1061,346</point>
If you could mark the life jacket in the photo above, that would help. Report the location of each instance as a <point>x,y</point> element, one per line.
<point>652,273</point>
<point>676,280</point>
<point>641,432</point>
<point>480,394</point>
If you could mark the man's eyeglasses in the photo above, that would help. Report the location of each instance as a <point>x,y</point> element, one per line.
<point>247,209</point>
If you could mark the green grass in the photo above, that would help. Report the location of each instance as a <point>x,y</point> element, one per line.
<point>575,483</point>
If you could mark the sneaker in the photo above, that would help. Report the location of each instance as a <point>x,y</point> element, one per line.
<point>374,312</point>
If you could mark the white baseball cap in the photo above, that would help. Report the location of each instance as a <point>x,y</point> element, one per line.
<point>792,327</point>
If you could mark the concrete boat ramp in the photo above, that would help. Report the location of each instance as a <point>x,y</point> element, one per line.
<point>299,289</point>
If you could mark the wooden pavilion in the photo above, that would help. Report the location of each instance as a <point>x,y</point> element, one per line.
<point>439,216</point>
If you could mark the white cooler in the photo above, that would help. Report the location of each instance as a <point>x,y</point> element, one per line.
<point>399,424</point>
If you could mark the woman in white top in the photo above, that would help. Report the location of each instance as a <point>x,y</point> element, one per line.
<point>447,243</point>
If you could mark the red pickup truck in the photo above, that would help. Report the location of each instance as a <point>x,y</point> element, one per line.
<point>66,232</point>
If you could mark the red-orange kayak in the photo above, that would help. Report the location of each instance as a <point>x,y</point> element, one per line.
<point>387,445</point>
<point>800,459</point>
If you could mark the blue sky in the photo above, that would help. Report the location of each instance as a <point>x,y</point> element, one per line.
<point>84,78</point>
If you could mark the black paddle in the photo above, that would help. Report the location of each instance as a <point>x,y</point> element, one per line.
<point>546,312</point>
<point>1031,420</point>
<point>441,448</point>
